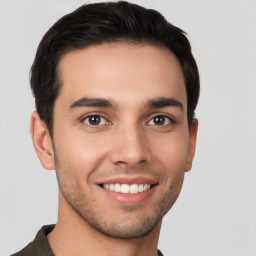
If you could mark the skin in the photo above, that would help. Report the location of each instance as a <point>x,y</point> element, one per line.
<point>127,143</point>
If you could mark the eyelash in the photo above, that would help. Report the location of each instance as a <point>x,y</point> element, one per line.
<point>106,122</point>
<point>166,118</point>
<point>97,116</point>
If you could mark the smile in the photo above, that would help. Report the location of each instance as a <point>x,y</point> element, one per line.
<point>127,189</point>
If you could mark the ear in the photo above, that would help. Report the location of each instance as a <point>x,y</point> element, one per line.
<point>42,142</point>
<point>192,144</point>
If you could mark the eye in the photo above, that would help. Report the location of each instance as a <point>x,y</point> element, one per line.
<point>160,120</point>
<point>95,120</point>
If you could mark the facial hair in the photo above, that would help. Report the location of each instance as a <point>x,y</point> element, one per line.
<point>122,228</point>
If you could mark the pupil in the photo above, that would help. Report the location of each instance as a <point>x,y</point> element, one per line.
<point>159,120</point>
<point>94,120</point>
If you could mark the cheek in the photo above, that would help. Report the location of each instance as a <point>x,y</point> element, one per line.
<point>173,153</point>
<point>173,157</point>
<point>83,153</point>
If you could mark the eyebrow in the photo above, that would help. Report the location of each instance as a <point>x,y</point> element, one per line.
<point>164,102</point>
<point>105,103</point>
<point>92,102</point>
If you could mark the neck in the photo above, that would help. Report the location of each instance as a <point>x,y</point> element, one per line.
<point>80,238</point>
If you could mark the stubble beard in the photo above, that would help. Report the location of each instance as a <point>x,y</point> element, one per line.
<point>118,229</point>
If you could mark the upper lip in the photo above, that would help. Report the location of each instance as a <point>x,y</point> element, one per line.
<point>128,180</point>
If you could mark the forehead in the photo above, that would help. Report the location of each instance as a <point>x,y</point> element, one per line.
<point>122,73</point>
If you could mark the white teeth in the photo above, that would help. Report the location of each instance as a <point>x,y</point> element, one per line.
<point>134,189</point>
<point>127,189</point>
<point>106,186</point>
<point>117,188</point>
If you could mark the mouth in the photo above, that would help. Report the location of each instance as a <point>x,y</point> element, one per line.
<point>128,188</point>
<point>125,190</point>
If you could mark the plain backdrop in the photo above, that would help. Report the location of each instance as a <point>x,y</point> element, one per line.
<point>215,214</point>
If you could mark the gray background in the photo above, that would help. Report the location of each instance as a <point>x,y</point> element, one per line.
<point>215,214</point>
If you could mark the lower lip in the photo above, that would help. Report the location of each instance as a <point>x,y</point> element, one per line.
<point>129,199</point>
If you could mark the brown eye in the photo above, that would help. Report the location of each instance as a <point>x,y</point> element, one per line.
<point>160,120</point>
<point>95,120</point>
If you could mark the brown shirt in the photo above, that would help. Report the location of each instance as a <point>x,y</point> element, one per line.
<point>40,245</point>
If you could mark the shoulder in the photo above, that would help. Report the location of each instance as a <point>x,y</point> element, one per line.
<point>159,253</point>
<point>27,251</point>
<point>39,246</point>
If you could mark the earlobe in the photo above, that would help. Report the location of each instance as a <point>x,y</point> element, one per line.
<point>42,142</point>
<point>192,144</point>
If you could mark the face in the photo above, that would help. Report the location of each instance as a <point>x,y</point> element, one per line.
<point>121,137</point>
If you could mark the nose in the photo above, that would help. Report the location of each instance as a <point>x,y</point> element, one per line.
<point>130,147</point>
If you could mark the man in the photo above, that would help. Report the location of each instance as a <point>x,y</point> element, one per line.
<point>116,87</point>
